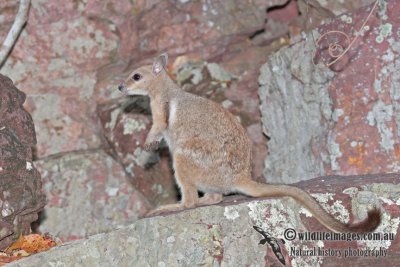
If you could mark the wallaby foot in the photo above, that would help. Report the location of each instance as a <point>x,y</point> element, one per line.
<point>210,199</point>
<point>165,209</point>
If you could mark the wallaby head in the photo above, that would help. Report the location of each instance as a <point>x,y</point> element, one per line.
<point>140,81</point>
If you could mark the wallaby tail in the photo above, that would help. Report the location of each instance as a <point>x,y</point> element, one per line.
<point>255,189</point>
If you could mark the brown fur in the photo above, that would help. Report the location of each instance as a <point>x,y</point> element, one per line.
<point>210,149</point>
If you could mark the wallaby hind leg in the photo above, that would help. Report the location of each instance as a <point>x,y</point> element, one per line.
<point>183,171</point>
<point>189,200</point>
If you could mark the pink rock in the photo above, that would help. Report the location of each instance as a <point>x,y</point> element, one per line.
<point>339,7</point>
<point>8,9</point>
<point>365,95</point>
<point>342,120</point>
<point>71,56</point>
<point>21,198</point>
<point>55,60</point>
<point>87,193</point>
<point>64,44</point>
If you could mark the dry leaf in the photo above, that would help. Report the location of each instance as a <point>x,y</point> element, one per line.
<point>27,245</point>
<point>21,253</point>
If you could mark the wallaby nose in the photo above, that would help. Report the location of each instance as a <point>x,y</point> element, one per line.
<point>121,87</point>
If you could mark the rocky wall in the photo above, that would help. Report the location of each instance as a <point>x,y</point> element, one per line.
<point>69,60</point>
<point>72,55</point>
<point>244,232</point>
<point>341,119</point>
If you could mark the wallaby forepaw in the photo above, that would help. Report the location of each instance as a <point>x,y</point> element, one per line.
<point>151,146</point>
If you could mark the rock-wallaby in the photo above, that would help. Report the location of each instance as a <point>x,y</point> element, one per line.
<point>210,149</point>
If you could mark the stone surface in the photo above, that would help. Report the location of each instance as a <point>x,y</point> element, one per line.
<point>20,186</point>
<point>295,108</point>
<point>279,18</point>
<point>313,13</point>
<point>339,7</point>
<point>71,56</point>
<point>87,193</point>
<point>342,120</point>
<point>64,44</point>
<point>366,98</point>
<point>223,235</point>
<point>55,61</point>
<point>8,10</point>
<point>199,26</point>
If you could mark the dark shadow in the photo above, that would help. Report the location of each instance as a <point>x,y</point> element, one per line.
<point>272,8</point>
<point>36,224</point>
<point>268,10</point>
<point>137,104</point>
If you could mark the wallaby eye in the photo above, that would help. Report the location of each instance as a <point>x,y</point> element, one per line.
<point>136,77</point>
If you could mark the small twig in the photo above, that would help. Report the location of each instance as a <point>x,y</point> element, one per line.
<point>19,22</point>
<point>337,51</point>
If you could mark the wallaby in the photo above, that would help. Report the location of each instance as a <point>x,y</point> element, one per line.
<point>210,149</point>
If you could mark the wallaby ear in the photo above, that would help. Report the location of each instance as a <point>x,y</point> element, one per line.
<point>159,63</point>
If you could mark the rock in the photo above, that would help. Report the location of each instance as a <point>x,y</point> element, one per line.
<point>65,84</point>
<point>60,80</point>
<point>294,108</point>
<point>87,193</point>
<point>55,60</point>
<point>311,15</point>
<point>277,24</point>
<point>202,27</point>
<point>224,235</point>
<point>20,186</point>
<point>314,13</point>
<point>70,57</point>
<point>9,8</point>
<point>294,17</point>
<point>339,7</point>
<point>342,120</point>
